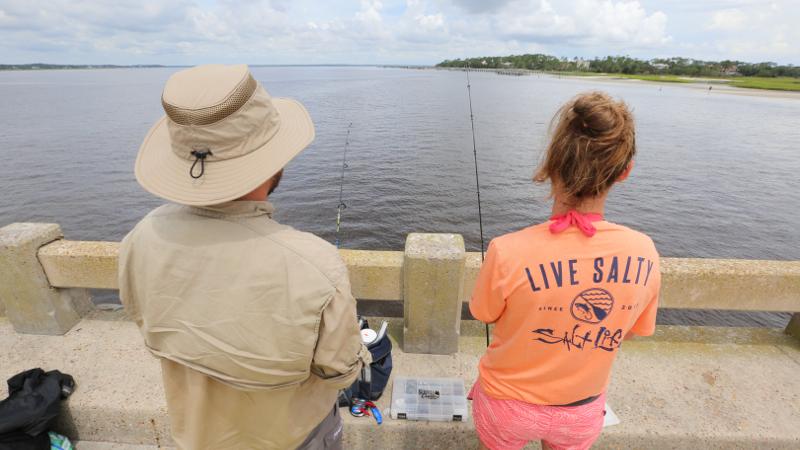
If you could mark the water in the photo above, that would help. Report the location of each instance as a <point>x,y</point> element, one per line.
<point>716,174</point>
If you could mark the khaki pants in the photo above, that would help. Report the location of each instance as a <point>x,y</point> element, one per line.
<point>327,435</point>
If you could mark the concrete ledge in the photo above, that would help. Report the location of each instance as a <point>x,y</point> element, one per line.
<point>81,264</point>
<point>472,267</point>
<point>375,275</point>
<point>745,285</point>
<point>690,283</point>
<point>684,387</point>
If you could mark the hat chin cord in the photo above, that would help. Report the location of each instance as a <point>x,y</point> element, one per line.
<point>200,156</point>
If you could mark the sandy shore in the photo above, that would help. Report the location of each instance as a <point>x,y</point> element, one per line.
<point>698,84</point>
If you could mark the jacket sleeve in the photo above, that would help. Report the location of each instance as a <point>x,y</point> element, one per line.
<point>124,274</point>
<point>488,300</point>
<point>339,354</point>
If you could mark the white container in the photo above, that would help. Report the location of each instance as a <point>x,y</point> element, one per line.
<point>429,399</point>
<point>368,336</point>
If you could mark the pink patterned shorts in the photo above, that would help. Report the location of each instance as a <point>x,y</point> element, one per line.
<point>510,424</point>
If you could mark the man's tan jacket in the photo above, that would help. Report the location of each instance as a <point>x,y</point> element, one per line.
<point>253,321</point>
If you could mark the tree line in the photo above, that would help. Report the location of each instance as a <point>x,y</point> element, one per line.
<point>628,65</point>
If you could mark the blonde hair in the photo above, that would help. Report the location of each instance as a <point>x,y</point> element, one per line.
<point>593,142</point>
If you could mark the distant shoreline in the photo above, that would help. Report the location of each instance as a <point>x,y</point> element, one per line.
<point>739,86</point>
<point>767,88</point>
<point>42,66</point>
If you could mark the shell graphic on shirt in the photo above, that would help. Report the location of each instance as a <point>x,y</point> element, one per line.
<point>592,305</point>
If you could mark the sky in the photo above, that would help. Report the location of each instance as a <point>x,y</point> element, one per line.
<point>185,32</point>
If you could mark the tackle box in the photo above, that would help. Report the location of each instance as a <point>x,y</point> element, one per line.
<point>429,399</point>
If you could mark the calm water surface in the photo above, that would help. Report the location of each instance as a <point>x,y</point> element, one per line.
<point>716,174</point>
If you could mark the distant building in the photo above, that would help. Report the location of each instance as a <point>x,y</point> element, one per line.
<point>506,64</point>
<point>730,70</point>
<point>660,66</point>
<point>484,63</point>
<point>582,64</point>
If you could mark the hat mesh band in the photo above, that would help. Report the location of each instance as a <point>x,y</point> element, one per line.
<point>212,114</point>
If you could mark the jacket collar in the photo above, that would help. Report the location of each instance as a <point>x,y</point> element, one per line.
<point>235,209</point>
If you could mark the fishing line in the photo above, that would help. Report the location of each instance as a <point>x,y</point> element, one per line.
<point>477,180</point>
<point>342,205</point>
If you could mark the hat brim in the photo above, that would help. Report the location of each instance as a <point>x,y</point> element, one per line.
<point>165,174</point>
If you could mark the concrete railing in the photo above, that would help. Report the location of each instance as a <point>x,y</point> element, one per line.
<point>43,280</point>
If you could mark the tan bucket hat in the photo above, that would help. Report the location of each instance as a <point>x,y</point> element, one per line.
<point>222,136</point>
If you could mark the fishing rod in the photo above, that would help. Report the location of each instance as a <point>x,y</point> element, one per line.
<point>341,205</point>
<point>477,180</point>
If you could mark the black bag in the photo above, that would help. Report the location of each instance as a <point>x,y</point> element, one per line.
<point>380,370</point>
<point>31,409</point>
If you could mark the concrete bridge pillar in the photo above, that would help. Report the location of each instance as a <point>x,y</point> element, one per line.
<point>31,304</point>
<point>433,284</point>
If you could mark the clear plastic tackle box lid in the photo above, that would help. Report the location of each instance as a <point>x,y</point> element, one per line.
<point>430,399</point>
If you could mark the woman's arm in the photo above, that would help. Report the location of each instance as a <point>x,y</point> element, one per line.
<point>488,299</point>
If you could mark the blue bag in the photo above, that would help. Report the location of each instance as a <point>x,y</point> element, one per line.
<point>371,386</point>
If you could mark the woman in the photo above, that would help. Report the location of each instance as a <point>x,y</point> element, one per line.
<point>564,294</point>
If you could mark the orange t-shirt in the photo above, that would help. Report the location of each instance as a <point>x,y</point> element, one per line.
<point>562,304</point>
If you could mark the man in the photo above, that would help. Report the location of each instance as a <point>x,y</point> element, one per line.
<point>253,321</point>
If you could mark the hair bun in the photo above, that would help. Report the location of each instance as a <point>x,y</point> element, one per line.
<point>596,112</point>
<point>593,142</point>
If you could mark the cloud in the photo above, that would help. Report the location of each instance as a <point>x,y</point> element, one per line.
<point>623,22</point>
<point>481,6</point>
<point>728,20</point>
<point>754,31</point>
<point>543,24</point>
<point>578,23</point>
<point>389,31</point>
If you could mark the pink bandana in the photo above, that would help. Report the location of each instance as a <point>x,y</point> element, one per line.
<point>582,221</point>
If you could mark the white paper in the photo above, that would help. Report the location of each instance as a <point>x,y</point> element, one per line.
<point>610,418</point>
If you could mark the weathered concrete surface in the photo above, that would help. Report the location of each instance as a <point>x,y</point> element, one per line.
<point>375,275</point>
<point>81,264</point>
<point>472,265</point>
<point>683,388</point>
<point>118,396</point>
<point>750,285</point>
<point>433,281</point>
<point>30,303</point>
